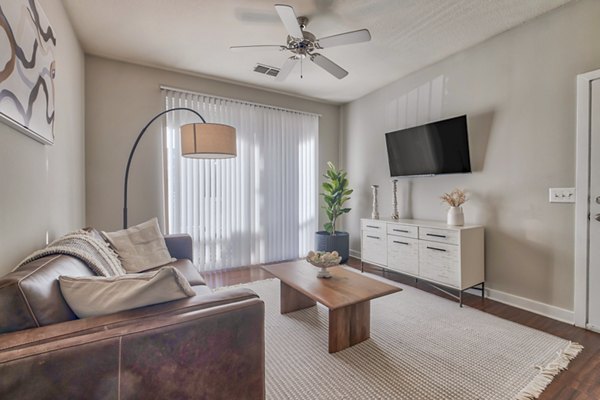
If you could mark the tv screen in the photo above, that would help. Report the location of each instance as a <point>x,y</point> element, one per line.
<point>440,147</point>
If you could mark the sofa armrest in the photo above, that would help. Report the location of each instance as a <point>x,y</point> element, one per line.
<point>180,246</point>
<point>45,334</point>
<point>212,348</point>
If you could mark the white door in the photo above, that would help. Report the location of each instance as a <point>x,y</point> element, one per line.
<point>594,207</point>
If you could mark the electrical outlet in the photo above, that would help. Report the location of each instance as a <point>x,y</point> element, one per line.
<point>562,195</point>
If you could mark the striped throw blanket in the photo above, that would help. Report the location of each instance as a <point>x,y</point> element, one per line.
<point>97,254</point>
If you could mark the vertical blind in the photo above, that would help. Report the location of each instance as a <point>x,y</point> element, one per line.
<point>256,208</point>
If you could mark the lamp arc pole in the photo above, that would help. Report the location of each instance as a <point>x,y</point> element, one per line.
<point>135,144</point>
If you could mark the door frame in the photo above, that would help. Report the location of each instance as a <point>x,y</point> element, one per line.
<point>582,199</point>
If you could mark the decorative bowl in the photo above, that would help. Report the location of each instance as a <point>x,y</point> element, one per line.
<point>323,260</point>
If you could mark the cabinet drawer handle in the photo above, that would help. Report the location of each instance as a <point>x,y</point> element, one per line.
<point>396,241</point>
<point>372,226</point>
<point>400,230</point>
<point>436,248</point>
<point>438,236</point>
<point>373,237</point>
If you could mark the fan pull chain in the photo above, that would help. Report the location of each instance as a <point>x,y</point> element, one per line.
<point>301,59</point>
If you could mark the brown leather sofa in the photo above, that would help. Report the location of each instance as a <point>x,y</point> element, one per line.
<point>210,346</point>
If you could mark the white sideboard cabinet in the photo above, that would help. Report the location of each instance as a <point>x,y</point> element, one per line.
<point>440,254</point>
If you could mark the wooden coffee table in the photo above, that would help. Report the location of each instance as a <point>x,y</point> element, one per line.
<point>346,294</point>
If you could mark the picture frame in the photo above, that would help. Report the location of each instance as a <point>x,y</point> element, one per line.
<point>28,70</point>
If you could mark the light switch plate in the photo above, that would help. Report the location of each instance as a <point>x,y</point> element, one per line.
<point>562,195</point>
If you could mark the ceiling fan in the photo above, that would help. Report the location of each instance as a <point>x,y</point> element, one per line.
<point>303,44</point>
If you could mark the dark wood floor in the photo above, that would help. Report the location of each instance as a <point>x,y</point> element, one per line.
<point>581,381</point>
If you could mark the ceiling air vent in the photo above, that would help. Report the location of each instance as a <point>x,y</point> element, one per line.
<point>267,70</point>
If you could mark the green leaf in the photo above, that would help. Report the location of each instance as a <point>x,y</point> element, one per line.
<point>345,210</point>
<point>327,187</point>
<point>328,227</point>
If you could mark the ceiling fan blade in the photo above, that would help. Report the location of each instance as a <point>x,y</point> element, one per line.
<point>361,35</point>
<point>287,67</point>
<point>328,65</point>
<point>258,47</point>
<point>289,19</point>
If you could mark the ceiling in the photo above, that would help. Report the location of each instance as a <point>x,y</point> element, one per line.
<point>195,35</point>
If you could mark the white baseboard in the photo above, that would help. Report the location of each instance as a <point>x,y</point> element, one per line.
<point>534,306</point>
<point>537,307</point>
<point>592,328</point>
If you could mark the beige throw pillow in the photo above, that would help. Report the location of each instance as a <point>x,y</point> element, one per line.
<point>140,247</point>
<point>89,296</point>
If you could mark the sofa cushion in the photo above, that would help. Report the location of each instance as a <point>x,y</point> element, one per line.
<point>141,247</point>
<point>98,295</point>
<point>188,270</point>
<point>180,246</point>
<point>30,296</point>
<point>202,290</point>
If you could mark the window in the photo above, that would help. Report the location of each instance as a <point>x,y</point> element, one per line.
<point>259,207</point>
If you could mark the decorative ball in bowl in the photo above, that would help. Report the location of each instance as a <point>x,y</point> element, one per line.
<point>323,260</point>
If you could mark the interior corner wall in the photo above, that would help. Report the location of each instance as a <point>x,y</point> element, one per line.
<point>120,99</point>
<point>518,90</point>
<point>43,187</point>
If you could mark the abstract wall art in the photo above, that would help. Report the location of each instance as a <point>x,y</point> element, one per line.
<point>27,69</point>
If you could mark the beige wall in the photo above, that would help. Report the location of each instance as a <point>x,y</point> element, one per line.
<point>518,90</point>
<point>43,186</point>
<point>121,98</point>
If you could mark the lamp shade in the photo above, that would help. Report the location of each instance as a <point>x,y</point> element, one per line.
<point>204,140</point>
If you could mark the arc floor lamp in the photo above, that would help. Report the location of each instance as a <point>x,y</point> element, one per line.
<point>198,140</point>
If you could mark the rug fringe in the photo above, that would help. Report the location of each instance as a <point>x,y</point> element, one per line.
<point>547,373</point>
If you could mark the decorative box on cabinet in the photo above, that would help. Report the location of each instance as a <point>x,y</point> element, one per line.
<point>439,254</point>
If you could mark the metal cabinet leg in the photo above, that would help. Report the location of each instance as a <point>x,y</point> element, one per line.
<point>460,293</point>
<point>482,290</point>
<point>362,266</point>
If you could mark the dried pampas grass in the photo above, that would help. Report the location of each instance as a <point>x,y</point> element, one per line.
<point>455,198</point>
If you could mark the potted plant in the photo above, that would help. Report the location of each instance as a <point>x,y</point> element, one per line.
<point>335,194</point>
<point>455,199</point>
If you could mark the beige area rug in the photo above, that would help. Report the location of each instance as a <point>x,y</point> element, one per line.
<point>421,347</point>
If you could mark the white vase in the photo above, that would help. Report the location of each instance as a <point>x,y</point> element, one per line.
<point>455,216</point>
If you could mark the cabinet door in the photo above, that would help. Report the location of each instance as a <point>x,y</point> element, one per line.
<point>403,254</point>
<point>374,247</point>
<point>439,262</point>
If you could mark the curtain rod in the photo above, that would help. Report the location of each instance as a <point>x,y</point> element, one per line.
<point>173,89</point>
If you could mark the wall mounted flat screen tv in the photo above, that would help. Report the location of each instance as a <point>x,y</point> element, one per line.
<point>440,147</point>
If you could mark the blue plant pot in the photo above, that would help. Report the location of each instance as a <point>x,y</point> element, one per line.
<point>339,242</point>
